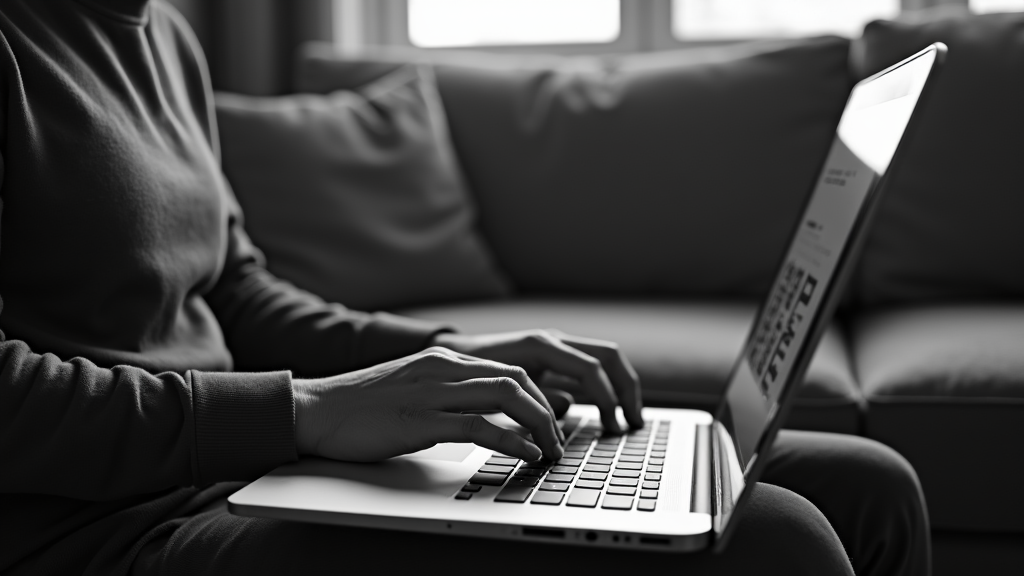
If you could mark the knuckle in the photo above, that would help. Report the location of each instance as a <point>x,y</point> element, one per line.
<point>507,387</point>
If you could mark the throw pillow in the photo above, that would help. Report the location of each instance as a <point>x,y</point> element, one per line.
<point>356,195</point>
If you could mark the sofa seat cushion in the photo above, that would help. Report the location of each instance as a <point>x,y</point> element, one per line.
<point>945,387</point>
<point>682,351</point>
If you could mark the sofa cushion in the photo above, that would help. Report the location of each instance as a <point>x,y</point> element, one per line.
<point>679,173</point>
<point>357,196</point>
<point>683,352</point>
<point>945,387</point>
<point>950,226</point>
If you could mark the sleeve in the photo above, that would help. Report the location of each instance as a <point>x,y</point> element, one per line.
<point>271,325</point>
<point>74,429</point>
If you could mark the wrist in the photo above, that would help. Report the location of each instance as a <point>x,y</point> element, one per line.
<point>305,398</point>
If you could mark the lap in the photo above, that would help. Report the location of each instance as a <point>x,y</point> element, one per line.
<point>821,492</point>
<point>220,543</point>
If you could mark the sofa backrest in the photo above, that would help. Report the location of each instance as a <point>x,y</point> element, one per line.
<point>677,174</point>
<point>952,225</point>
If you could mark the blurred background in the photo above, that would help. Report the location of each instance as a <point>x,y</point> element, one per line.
<point>251,44</point>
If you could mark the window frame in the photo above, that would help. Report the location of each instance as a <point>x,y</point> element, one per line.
<point>645,26</point>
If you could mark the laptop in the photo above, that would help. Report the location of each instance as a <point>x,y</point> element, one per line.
<point>679,483</point>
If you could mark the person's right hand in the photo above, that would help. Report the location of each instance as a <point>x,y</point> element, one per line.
<point>412,403</point>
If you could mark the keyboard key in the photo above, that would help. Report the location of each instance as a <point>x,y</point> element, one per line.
<point>603,454</point>
<point>583,498</point>
<point>626,473</point>
<point>652,485</point>
<point>485,479</point>
<point>600,476</point>
<point>535,472</point>
<point>574,454</point>
<point>630,466</point>
<point>599,460</point>
<point>559,478</point>
<point>652,477</point>
<point>654,469</point>
<point>514,494</point>
<point>463,495</point>
<point>592,484</point>
<point>657,454</point>
<point>625,482</point>
<point>621,490</point>
<point>503,461</point>
<point>633,452</point>
<point>570,462</point>
<point>649,494</point>
<point>613,502</point>
<point>596,468</point>
<point>635,447</point>
<point>496,469</point>
<point>646,505</point>
<point>657,461</point>
<point>471,488</point>
<point>554,486</point>
<point>523,481</point>
<point>549,498</point>
<point>565,469</point>
<point>542,464</point>
<point>628,458</point>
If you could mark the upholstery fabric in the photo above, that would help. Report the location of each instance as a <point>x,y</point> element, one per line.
<point>683,352</point>
<point>677,174</point>
<point>950,226</point>
<point>945,387</point>
<point>357,196</point>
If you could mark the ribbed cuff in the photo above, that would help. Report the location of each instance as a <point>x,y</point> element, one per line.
<point>245,424</point>
<point>388,337</point>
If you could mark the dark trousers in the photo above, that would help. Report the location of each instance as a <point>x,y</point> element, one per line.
<point>828,504</point>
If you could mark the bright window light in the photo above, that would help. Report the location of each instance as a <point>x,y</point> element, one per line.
<point>984,6</point>
<point>734,19</point>
<point>455,23</point>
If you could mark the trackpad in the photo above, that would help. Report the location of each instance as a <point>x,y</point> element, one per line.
<point>447,452</point>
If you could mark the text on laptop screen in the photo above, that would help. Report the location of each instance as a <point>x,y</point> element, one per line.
<point>871,127</point>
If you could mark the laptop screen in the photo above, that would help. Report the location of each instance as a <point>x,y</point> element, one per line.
<point>871,127</point>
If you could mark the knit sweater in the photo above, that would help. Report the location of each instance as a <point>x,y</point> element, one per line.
<point>145,352</point>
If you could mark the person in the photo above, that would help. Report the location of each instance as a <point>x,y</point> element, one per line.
<point>149,362</point>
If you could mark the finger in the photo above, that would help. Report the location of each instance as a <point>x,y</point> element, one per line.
<point>507,395</point>
<point>449,366</point>
<point>620,372</point>
<point>557,356</point>
<point>448,427</point>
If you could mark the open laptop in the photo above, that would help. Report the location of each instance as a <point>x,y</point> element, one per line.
<point>679,483</point>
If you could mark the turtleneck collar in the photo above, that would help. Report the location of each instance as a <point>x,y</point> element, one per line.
<point>131,10</point>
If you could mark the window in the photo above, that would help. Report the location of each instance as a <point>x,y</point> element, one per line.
<point>983,6</point>
<point>734,19</point>
<point>608,26</point>
<point>464,23</point>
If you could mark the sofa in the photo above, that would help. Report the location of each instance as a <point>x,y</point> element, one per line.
<point>646,199</point>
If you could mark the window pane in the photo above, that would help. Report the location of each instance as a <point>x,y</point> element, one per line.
<point>726,19</point>
<point>437,23</point>
<point>983,6</point>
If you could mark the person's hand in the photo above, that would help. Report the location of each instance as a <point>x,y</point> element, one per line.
<point>600,367</point>
<point>412,403</point>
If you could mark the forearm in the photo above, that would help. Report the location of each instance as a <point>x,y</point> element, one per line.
<point>271,325</point>
<point>74,429</point>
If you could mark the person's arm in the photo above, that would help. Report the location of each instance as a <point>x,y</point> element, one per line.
<point>76,430</point>
<point>271,325</point>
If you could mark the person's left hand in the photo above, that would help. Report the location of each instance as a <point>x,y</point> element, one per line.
<point>600,367</point>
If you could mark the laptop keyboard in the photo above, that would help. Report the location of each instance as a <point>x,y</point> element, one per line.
<point>615,472</point>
